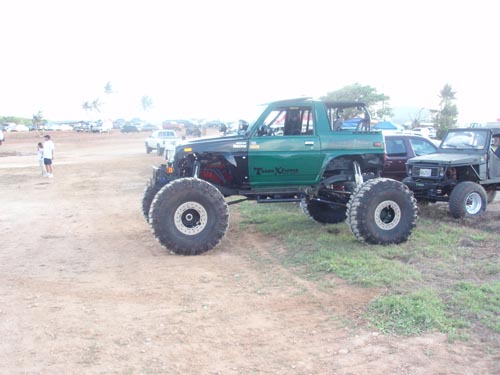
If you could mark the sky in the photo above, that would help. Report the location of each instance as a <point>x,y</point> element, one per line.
<point>219,59</point>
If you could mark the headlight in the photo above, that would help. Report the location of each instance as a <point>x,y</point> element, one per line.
<point>409,170</point>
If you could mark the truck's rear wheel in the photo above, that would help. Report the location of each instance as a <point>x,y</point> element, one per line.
<point>467,199</point>
<point>382,211</point>
<point>322,212</point>
<point>189,216</point>
<point>147,197</point>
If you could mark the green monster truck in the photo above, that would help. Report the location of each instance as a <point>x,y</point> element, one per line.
<point>320,154</point>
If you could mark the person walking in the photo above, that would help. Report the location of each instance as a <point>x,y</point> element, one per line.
<point>40,159</point>
<point>48,155</point>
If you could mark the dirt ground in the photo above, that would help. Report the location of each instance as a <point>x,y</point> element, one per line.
<point>86,289</point>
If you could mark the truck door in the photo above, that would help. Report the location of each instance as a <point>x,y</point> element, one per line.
<point>396,157</point>
<point>285,150</point>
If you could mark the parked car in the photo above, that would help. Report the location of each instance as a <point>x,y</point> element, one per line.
<point>17,128</point>
<point>161,140</point>
<point>119,123</point>
<point>2,137</point>
<point>426,131</point>
<point>149,128</point>
<point>401,147</point>
<point>129,128</point>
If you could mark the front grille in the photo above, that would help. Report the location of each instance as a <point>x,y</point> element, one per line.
<point>419,171</point>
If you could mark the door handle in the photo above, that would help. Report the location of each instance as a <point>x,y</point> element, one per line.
<point>309,143</point>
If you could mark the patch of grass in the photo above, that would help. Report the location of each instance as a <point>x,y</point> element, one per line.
<point>416,274</point>
<point>327,248</point>
<point>410,314</point>
<point>478,302</point>
<point>365,268</point>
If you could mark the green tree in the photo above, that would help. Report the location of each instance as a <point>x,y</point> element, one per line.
<point>377,102</point>
<point>90,106</point>
<point>447,115</point>
<point>87,106</point>
<point>108,88</point>
<point>16,119</point>
<point>96,104</point>
<point>146,102</point>
<point>38,121</point>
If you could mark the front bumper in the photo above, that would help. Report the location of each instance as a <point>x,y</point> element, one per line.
<point>431,190</point>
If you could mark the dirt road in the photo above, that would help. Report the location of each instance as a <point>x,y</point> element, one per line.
<point>86,289</point>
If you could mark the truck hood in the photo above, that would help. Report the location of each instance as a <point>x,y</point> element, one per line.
<point>215,144</point>
<point>447,159</point>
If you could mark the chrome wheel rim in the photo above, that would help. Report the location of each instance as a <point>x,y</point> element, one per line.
<point>190,218</point>
<point>473,203</point>
<point>387,215</point>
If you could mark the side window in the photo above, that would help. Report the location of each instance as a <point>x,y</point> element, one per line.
<point>421,147</point>
<point>288,121</point>
<point>395,147</point>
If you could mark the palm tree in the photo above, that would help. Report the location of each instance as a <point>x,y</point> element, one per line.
<point>38,121</point>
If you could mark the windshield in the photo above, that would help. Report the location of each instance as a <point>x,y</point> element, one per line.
<point>470,139</point>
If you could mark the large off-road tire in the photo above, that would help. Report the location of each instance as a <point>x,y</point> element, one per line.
<point>189,216</point>
<point>467,200</point>
<point>322,212</point>
<point>147,197</point>
<point>382,211</point>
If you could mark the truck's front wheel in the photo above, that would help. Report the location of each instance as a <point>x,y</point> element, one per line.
<point>382,211</point>
<point>147,197</point>
<point>322,212</point>
<point>189,216</point>
<point>467,199</point>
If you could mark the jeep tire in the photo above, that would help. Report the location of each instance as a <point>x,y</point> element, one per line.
<point>147,197</point>
<point>322,212</point>
<point>189,216</point>
<point>467,200</point>
<point>382,211</point>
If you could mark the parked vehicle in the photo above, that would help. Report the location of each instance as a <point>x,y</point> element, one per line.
<point>388,127</point>
<point>465,172</point>
<point>149,128</point>
<point>2,137</point>
<point>17,128</point>
<point>331,173</point>
<point>128,128</point>
<point>119,123</point>
<point>192,130</point>
<point>426,131</point>
<point>401,147</point>
<point>161,141</point>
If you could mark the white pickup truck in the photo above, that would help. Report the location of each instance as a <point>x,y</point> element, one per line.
<point>161,140</point>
